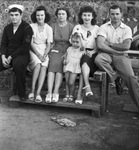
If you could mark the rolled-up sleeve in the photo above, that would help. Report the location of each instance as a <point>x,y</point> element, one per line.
<point>102,32</point>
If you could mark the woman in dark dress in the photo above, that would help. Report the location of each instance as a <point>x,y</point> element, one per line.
<point>62,30</point>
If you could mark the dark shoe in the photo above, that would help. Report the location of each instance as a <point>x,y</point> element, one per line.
<point>118,84</point>
<point>22,99</point>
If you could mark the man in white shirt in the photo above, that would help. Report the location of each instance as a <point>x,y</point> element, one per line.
<point>114,39</point>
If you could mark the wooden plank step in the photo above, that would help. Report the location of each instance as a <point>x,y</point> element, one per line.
<point>86,104</point>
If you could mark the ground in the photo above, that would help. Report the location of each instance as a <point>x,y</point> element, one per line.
<point>30,127</point>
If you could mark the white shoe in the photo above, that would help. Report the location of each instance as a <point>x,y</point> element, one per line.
<point>38,99</point>
<point>31,96</point>
<point>48,98</point>
<point>55,98</point>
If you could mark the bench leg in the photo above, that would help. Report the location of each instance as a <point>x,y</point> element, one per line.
<point>104,93</point>
<point>97,113</point>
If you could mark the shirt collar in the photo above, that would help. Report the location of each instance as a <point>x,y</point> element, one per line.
<point>121,25</point>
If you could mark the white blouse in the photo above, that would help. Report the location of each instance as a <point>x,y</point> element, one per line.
<point>88,36</point>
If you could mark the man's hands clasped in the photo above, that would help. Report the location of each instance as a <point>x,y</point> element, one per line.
<point>6,61</point>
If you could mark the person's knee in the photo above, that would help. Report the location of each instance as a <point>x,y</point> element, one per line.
<point>71,83</point>
<point>85,68</point>
<point>98,60</point>
<point>18,66</point>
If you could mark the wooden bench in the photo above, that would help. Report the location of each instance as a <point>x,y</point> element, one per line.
<point>134,57</point>
<point>99,105</point>
<point>100,80</point>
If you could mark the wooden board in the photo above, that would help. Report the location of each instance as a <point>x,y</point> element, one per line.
<point>90,105</point>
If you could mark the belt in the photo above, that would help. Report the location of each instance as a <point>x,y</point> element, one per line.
<point>89,49</point>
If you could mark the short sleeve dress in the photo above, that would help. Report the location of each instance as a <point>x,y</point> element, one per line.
<point>90,44</point>
<point>73,60</point>
<point>61,37</point>
<point>40,40</point>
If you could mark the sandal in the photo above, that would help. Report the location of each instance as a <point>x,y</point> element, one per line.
<point>70,98</point>
<point>88,92</point>
<point>89,95</point>
<point>55,98</point>
<point>65,99</point>
<point>78,101</point>
<point>31,96</point>
<point>48,98</point>
<point>38,99</point>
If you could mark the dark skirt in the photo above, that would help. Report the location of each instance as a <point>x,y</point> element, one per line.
<point>55,62</point>
<point>90,62</point>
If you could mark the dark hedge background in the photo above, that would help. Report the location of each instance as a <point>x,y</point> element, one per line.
<point>130,11</point>
<point>130,8</point>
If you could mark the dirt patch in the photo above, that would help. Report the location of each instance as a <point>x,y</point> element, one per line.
<point>30,127</point>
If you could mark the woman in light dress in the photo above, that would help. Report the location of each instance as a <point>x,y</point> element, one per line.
<point>40,47</point>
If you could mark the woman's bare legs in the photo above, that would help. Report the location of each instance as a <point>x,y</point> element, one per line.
<point>86,72</point>
<point>58,81</point>
<point>79,94</point>
<point>41,79</point>
<point>50,81</point>
<point>35,76</point>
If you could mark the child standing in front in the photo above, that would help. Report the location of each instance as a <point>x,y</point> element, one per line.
<point>72,64</point>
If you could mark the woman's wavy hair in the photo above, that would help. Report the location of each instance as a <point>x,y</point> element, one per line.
<point>85,9</point>
<point>65,9</point>
<point>39,8</point>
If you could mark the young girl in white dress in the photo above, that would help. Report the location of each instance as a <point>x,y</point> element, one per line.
<point>72,64</point>
<point>40,47</point>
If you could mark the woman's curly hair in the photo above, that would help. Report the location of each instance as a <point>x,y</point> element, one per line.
<point>65,9</point>
<point>39,8</point>
<point>85,9</point>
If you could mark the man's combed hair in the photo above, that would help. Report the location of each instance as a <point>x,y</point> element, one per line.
<point>115,7</point>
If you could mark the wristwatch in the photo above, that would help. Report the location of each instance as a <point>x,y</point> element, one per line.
<point>110,44</point>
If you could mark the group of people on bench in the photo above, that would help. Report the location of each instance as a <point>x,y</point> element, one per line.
<point>67,50</point>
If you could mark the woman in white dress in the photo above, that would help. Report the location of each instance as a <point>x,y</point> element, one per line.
<point>88,28</point>
<point>40,47</point>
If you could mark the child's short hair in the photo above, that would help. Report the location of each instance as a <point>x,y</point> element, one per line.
<point>75,36</point>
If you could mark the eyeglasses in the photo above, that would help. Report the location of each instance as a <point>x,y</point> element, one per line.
<point>88,34</point>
